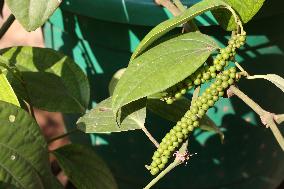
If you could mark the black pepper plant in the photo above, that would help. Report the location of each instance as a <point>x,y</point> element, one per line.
<point>160,75</point>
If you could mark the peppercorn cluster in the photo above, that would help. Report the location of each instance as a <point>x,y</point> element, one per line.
<point>206,73</point>
<point>180,132</point>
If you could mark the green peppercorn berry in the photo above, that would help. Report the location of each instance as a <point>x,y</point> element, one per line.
<point>164,159</point>
<point>174,138</point>
<point>228,49</point>
<point>194,110</point>
<point>194,117</point>
<point>183,120</point>
<point>177,128</point>
<point>197,82</point>
<point>183,91</point>
<point>233,70</point>
<point>190,128</point>
<point>158,161</point>
<point>170,101</point>
<point>215,98</point>
<point>219,67</point>
<point>231,81</point>
<point>205,107</point>
<point>210,103</point>
<point>172,132</point>
<point>213,75</point>
<point>154,171</point>
<point>178,95</point>
<point>185,131</point>
<point>212,69</point>
<point>163,146</point>
<point>203,80</point>
<point>212,86</point>
<point>221,94</point>
<point>195,124</point>
<point>160,150</point>
<point>199,103</point>
<point>222,63</point>
<point>179,135</point>
<point>219,57</point>
<point>180,140</point>
<point>222,51</point>
<point>184,125</point>
<point>209,96</point>
<point>201,113</point>
<point>216,61</point>
<point>204,100</point>
<point>208,90</point>
<point>233,75</point>
<point>188,114</point>
<point>214,92</point>
<point>225,77</point>
<point>231,42</point>
<point>168,142</point>
<point>161,166</point>
<point>226,72</point>
<point>219,88</point>
<point>189,122</point>
<point>154,164</point>
<point>225,84</point>
<point>156,154</point>
<point>171,148</point>
<point>175,144</point>
<point>167,153</point>
<point>206,76</point>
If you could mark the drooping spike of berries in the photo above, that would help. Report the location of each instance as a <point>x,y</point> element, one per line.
<point>206,73</point>
<point>180,132</point>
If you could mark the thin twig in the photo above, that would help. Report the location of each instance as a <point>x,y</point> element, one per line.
<point>62,136</point>
<point>7,24</point>
<point>174,164</point>
<point>267,117</point>
<point>150,137</point>
<point>176,9</point>
<point>170,6</point>
<point>279,118</point>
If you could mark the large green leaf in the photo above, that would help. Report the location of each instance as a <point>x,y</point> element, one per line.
<point>163,66</point>
<point>6,92</point>
<point>52,81</point>
<point>84,168</point>
<point>245,8</point>
<point>101,118</point>
<point>170,24</point>
<point>24,155</point>
<point>32,13</point>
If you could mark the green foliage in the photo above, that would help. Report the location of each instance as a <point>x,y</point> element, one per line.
<point>245,8</point>
<point>152,72</point>
<point>84,167</point>
<point>6,92</point>
<point>32,13</point>
<point>50,75</point>
<point>166,26</point>
<point>24,156</point>
<point>101,118</point>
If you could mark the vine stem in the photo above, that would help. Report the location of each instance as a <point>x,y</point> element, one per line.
<point>279,118</point>
<point>62,136</point>
<point>6,25</point>
<point>174,164</point>
<point>176,9</point>
<point>169,5</point>
<point>150,137</point>
<point>267,118</point>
